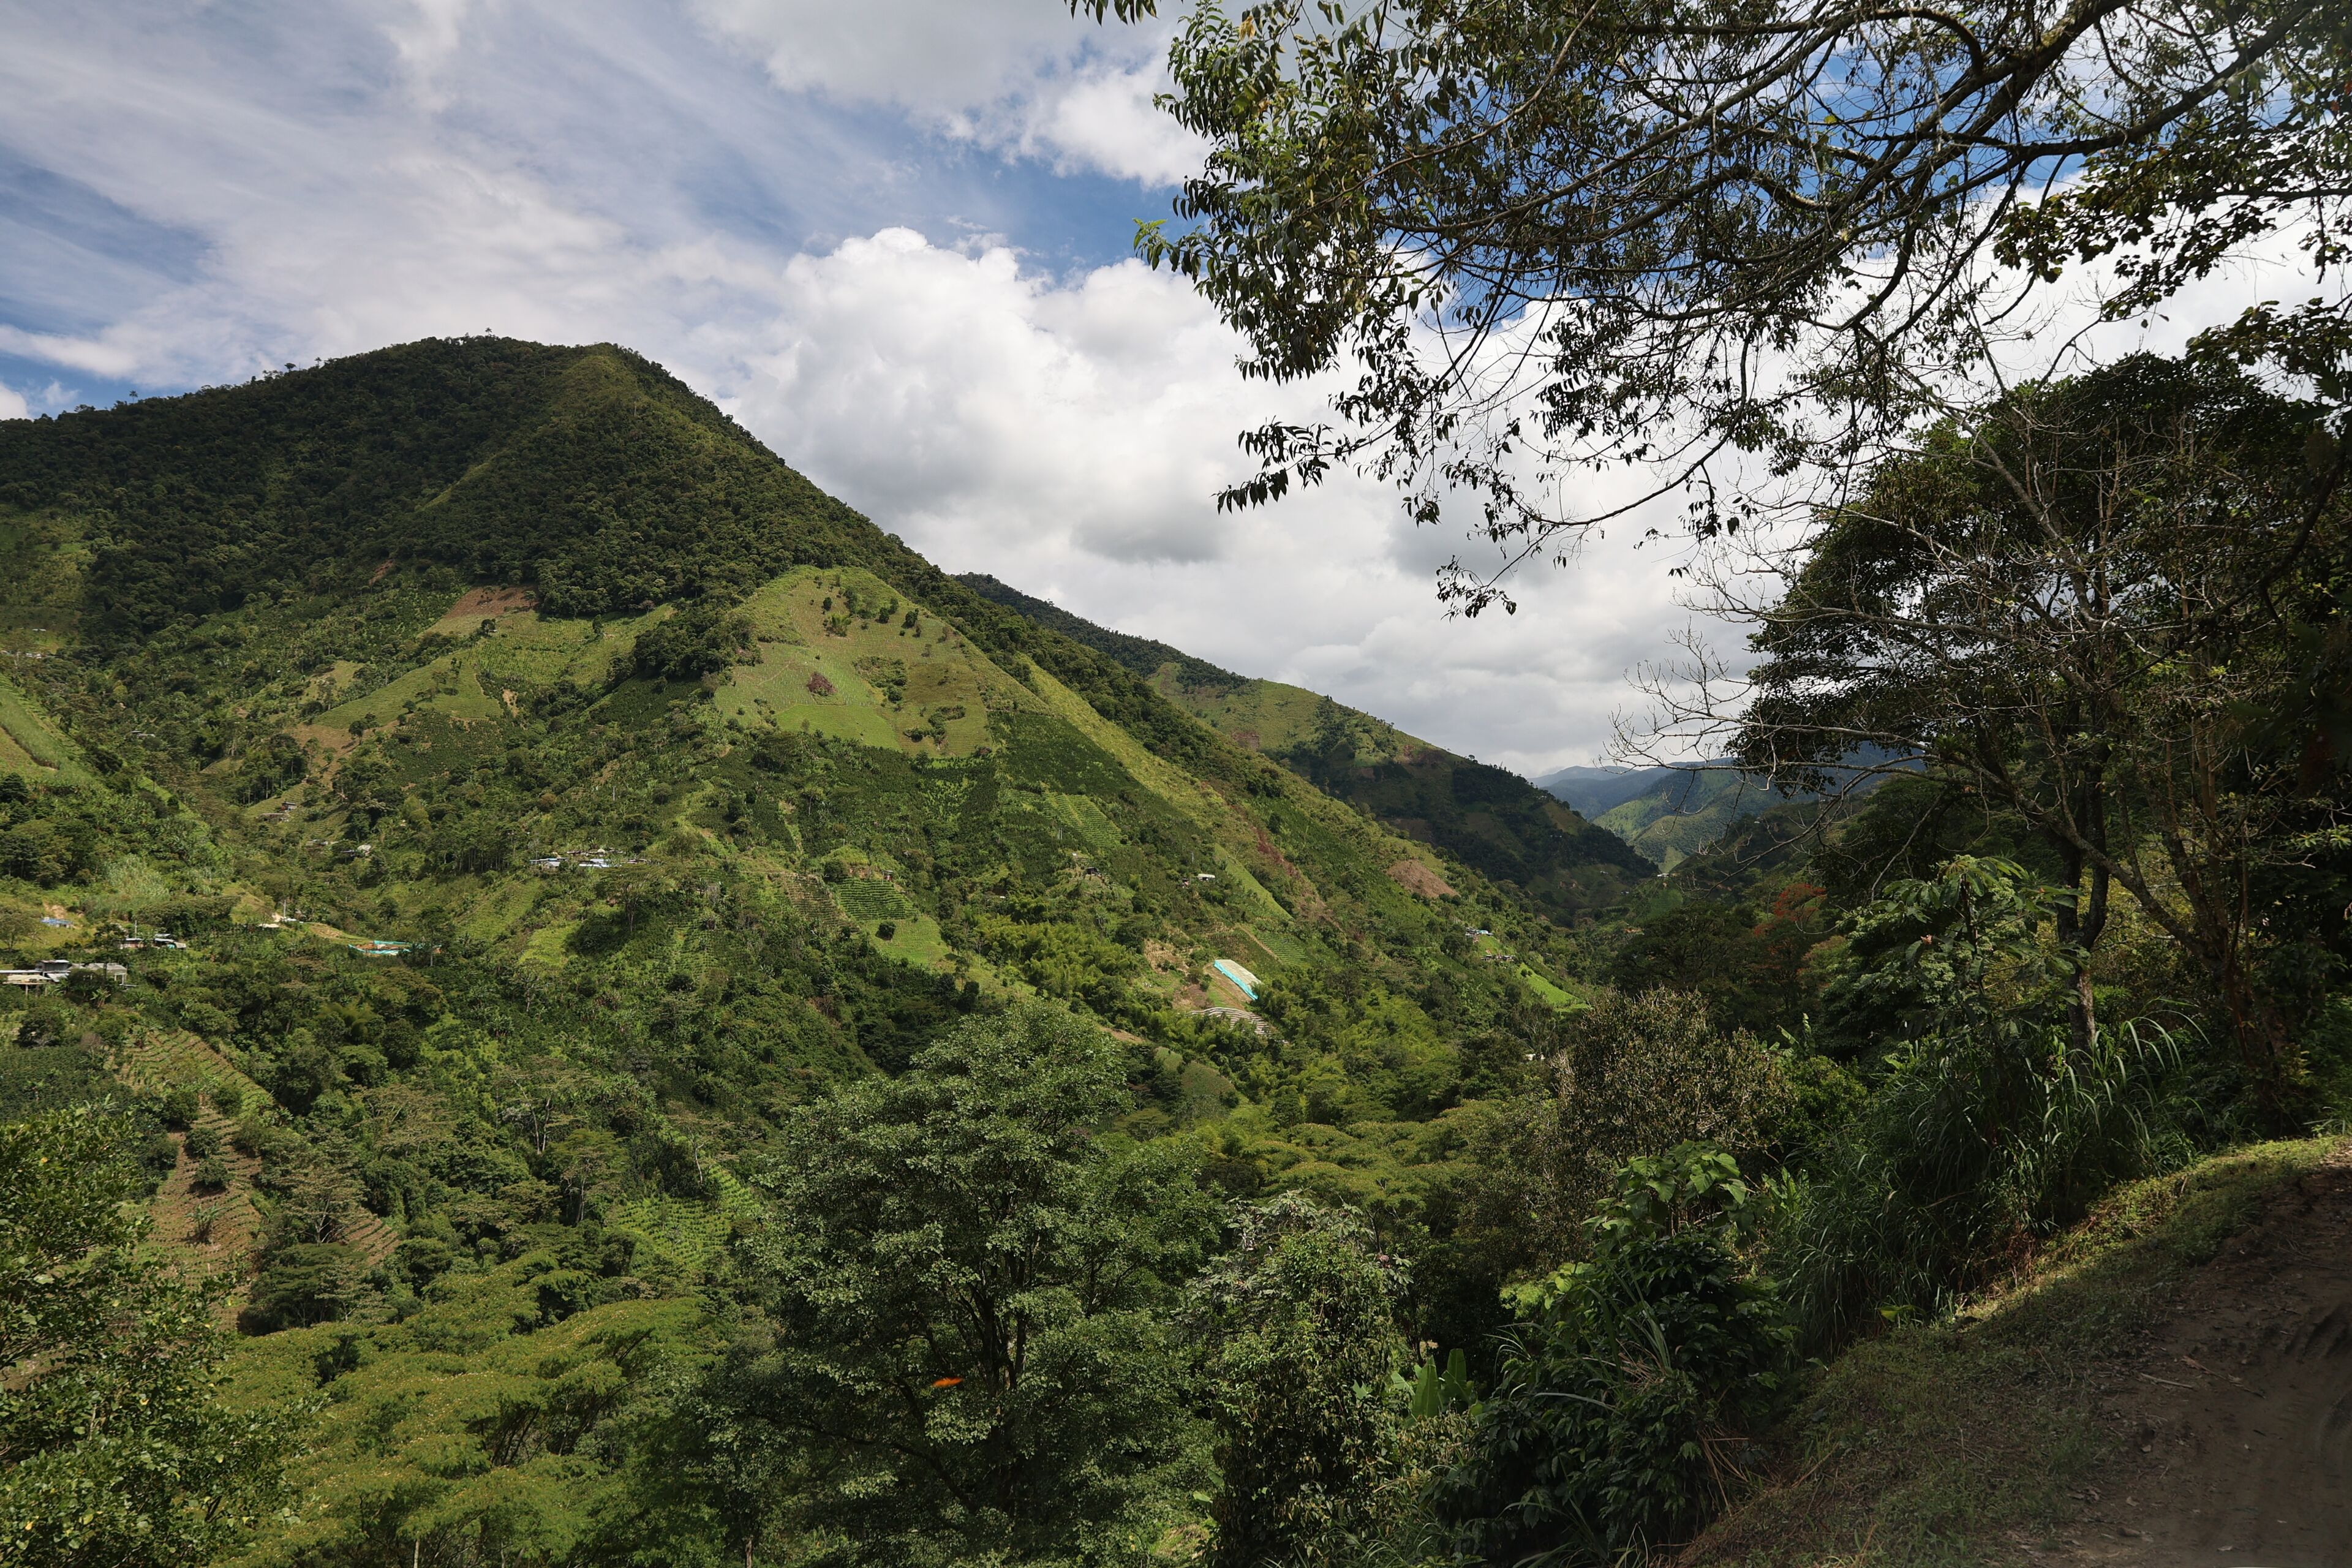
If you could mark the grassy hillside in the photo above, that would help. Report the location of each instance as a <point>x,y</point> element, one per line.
<point>677,791</point>
<point>1486,817</point>
<point>2021,1428</point>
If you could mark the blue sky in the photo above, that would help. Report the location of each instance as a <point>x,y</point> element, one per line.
<point>719,120</point>
<point>890,236</point>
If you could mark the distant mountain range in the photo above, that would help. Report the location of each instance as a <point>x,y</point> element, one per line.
<point>1591,791</point>
<point>1669,813</point>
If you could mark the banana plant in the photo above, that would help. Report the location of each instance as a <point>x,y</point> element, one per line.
<point>1433,1392</point>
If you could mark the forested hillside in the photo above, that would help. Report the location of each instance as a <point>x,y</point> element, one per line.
<point>1486,816</point>
<point>642,1023</point>
<point>546,792</point>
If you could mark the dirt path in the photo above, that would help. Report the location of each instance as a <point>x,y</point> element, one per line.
<point>2238,1414</point>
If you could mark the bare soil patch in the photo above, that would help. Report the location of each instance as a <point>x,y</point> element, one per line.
<point>1415,877</point>
<point>484,602</point>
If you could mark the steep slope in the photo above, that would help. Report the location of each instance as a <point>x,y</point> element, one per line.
<point>555,787</point>
<point>1490,818</point>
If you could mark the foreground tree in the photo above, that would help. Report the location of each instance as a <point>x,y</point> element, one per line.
<point>113,1451</point>
<point>1627,1391</point>
<point>1659,230</point>
<point>1990,1125</point>
<point>973,1348</point>
<point>1298,1323</point>
<point>1635,1074</point>
<point>2090,608</point>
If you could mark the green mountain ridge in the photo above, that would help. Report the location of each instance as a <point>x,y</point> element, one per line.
<point>1671,814</point>
<point>1486,816</point>
<point>549,790</point>
<point>399,646</point>
<point>1679,817</point>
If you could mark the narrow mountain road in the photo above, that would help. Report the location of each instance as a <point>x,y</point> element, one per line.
<point>2238,1414</point>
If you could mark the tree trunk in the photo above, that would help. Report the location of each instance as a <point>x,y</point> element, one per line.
<point>2082,918</point>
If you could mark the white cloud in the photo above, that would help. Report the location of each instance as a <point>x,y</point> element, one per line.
<point>924,55</point>
<point>12,404</point>
<point>1104,118</point>
<point>426,36</point>
<point>1010,75</point>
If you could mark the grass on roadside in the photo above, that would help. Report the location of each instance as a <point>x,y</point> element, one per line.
<point>1949,1442</point>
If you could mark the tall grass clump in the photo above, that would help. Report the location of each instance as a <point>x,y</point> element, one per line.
<point>1986,1130</point>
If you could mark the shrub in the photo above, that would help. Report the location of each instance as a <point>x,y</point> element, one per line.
<point>90,988</point>
<point>699,640</point>
<point>228,1099</point>
<point>211,1175</point>
<point>1624,1395</point>
<point>159,1156</point>
<point>202,1143</point>
<point>305,1284</point>
<point>190,914</point>
<point>41,852</point>
<point>421,1260</point>
<point>48,1022</point>
<point>1637,1075</point>
<point>887,675</point>
<point>274,766</point>
<point>178,1107</point>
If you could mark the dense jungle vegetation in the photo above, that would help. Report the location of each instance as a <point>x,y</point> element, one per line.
<point>688,1036</point>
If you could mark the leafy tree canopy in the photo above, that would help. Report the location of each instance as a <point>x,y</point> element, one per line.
<point>972,1351</point>
<point>1657,231</point>
<point>113,1450</point>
